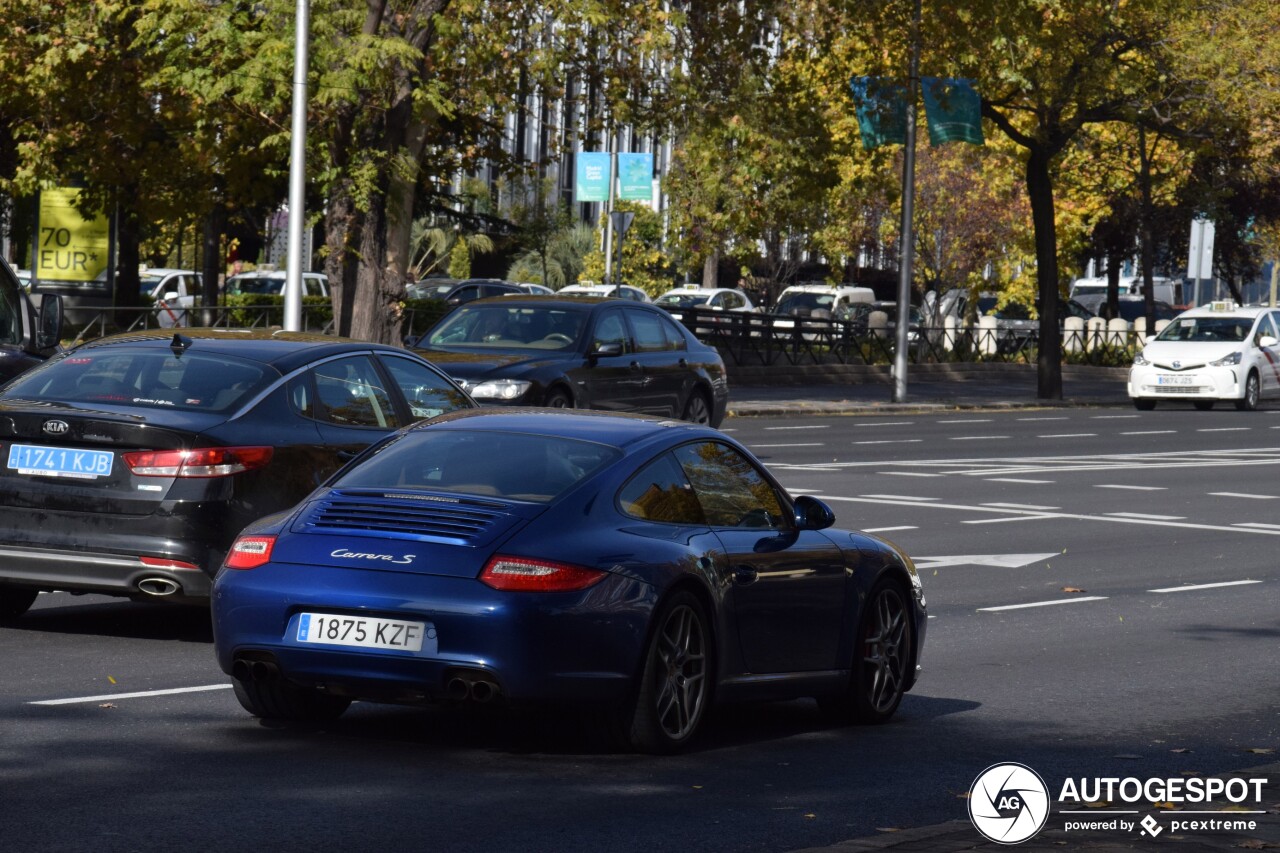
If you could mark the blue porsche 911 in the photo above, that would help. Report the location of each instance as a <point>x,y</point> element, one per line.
<point>647,567</point>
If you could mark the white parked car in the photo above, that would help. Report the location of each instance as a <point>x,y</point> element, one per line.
<point>271,282</point>
<point>817,301</point>
<point>620,291</point>
<point>1218,351</point>
<point>703,298</point>
<point>173,292</point>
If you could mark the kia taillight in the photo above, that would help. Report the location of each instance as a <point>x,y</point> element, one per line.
<point>522,574</point>
<point>249,552</point>
<point>201,462</point>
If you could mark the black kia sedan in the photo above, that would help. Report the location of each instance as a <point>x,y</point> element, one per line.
<point>131,462</point>
<point>583,353</point>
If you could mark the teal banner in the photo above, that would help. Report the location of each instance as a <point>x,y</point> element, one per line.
<point>635,177</point>
<point>591,177</point>
<point>881,105</point>
<point>954,110</point>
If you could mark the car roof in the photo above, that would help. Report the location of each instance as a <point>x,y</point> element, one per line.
<point>616,429</point>
<point>163,271</point>
<point>282,350</point>
<point>1225,309</point>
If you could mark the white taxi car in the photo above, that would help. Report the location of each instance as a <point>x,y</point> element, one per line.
<point>1218,351</point>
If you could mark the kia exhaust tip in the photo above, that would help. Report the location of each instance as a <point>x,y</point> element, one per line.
<point>158,587</point>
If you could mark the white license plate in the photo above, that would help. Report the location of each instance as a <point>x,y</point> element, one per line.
<point>41,461</point>
<point>1173,379</point>
<point>367,632</point>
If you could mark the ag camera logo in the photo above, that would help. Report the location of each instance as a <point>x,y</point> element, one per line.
<point>1008,803</point>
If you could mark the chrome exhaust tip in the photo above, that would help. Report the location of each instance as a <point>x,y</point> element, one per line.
<point>158,587</point>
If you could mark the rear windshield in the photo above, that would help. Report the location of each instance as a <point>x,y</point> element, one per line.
<point>149,378</point>
<point>803,303</point>
<point>255,284</point>
<point>516,466</point>
<point>683,300</point>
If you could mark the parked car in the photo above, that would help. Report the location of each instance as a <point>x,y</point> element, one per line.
<point>1163,289</point>
<point>617,291</point>
<point>27,337</point>
<point>817,300</point>
<point>458,292</point>
<point>535,289</point>
<point>272,282</point>
<point>704,298</point>
<point>174,292</point>
<point>579,353</point>
<point>1130,308</point>
<point>133,461</point>
<point>596,560</point>
<point>1213,353</point>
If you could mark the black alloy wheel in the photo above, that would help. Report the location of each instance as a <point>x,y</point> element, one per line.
<point>675,685</point>
<point>882,658</point>
<point>1252,394</point>
<point>697,410</point>
<point>558,398</point>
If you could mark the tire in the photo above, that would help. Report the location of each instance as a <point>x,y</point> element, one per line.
<point>881,662</point>
<point>697,410</point>
<point>1143,405</point>
<point>558,398</point>
<point>275,698</point>
<point>674,689</point>
<point>1252,394</point>
<point>1204,405</point>
<point>15,601</point>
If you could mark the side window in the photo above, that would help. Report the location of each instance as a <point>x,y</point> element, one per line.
<point>650,336</point>
<point>465,294</point>
<point>427,393</point>
<point>1265,327</point>
<point>732,492</point>
<point>661,492</point>
<point>611,329</point>
<point>10,311</point>
<point>302,395</point>
<point>675,337</point>
<point>351,394</point>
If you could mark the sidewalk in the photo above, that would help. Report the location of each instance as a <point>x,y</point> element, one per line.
<point>959,836</point>
<point>923,395</point>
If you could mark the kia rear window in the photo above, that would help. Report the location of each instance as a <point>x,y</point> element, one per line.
<point>147,378</point>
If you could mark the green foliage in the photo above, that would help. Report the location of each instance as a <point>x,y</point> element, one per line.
<point>259,310</point>
<point>460,260</point>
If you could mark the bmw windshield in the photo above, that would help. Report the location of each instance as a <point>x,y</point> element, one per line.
<point>510,327</point>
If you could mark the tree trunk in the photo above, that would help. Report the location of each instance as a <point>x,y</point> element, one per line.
<point>711,270</point>
<point>128,251</point>
<point>1040,193</point>
<point>212,264</point>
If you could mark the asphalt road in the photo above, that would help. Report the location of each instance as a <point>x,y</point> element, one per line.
<point>1135,553</point>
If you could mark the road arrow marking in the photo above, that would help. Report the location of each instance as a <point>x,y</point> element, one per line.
<point>1003,561</point>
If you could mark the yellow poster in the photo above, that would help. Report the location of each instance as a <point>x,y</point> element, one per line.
<point>69,247</point>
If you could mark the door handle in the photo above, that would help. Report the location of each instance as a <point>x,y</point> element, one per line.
<point>636,367</point>
<point>745,575</point>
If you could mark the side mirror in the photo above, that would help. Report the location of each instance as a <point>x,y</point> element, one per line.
<point>170,295</point>
<point>49,333</point>
<point>606,350</point>
<point>813,514</point>
<point>1267,341</point>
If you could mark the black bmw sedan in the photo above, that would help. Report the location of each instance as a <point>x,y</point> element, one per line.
<point>131,462</point>
<point>583,353</point>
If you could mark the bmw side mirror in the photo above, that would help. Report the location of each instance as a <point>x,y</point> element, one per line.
<point>606,350</point>
<point>813,514</point>
<point>49,333</point>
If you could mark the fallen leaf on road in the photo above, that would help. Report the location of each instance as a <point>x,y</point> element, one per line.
<point>1097,804</point>
<point>1258,750</point>
<point>107,705</point>
<point>111,679</point>
<point>1072,589</point>
<point>1128,756</point>
<point>810,816</point>
<point>886,829</point>
<point>1253,844</point>
<point>1180,751</point>
<point>1167,806</point>
<point>963,796</point>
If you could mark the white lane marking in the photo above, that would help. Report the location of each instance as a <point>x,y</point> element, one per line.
<point>977,437</point>
<point>1226,429</point>
<point>893,441</point>
<point>810,444</point>
<point>796,491</point>
<point>1194,587</point>
<point>1045,419</point>
<point>1147,516</point>
<point>1135,488</point>
<point>1013,518</point>
<point>1070,435</point>
<point>106,697</point>
<point>1043,603</point>
<point>1024,506</point>
<point>966,421</point>
<point>897,498</point>
<point>1151,432</point>
<point>885,423</point>
<point>1004,561</point>
<point>1242,495</point>
<point>1113,417</point>
<point>889,529</point>
<point>1267,530</point>
<point>909,474</point>
<point>1258,525</point>
<point>812,426</point>
<point>1009,466</point>
<point>1016,480</point>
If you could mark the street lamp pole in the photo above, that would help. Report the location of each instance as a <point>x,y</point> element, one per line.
<point>297,172</point>
<point>908,204</point>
